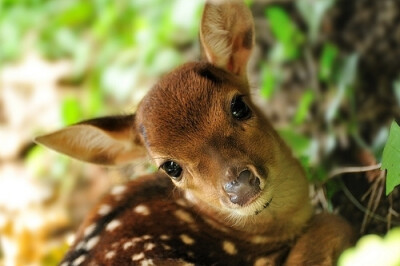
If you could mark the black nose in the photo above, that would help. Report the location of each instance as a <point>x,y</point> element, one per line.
<point>243,188</point>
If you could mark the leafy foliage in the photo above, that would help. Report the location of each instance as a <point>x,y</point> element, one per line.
<point>286,33</point>
<point>327,60</point>
<point>326,117</point>
<point>343,81</point>
<point>304,106</point>
<point>313,13</point>
<point>289,40</point>
<point>71,110</point>
<point>391,158</point>
<point>373,250</point>
<point>114,45</point>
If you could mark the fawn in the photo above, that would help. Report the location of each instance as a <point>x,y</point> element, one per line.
<point>229,191</point>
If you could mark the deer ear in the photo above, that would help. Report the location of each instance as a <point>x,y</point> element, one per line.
<point>227,34</point>
<point>108,141</point>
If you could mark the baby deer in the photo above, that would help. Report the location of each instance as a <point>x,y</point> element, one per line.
<point>229,191</point>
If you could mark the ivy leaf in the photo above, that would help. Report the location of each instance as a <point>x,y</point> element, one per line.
<point>391,158</point>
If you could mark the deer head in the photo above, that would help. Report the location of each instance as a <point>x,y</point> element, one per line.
<point>199,125</point>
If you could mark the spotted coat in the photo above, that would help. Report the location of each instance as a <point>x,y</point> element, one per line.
<point>150,223</point>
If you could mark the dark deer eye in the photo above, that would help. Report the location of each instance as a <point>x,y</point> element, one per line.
<point>239,108</point>
<point>172,169</point>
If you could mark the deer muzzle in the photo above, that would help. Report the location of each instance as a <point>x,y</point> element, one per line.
<point>244,188</point>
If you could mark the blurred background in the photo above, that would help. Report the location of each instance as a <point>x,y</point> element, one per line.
<point>327,74</point>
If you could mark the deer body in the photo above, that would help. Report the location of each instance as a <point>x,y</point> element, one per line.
<point>152,224</point>
<point>231,192</point>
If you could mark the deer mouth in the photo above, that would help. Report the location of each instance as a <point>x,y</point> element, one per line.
<point>255,206</point>
<point>264,206</point>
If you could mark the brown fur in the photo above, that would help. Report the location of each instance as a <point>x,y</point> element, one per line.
<point>187,118</point>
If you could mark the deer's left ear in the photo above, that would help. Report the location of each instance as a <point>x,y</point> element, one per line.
<point>108,140</point>
<point>227,34</point>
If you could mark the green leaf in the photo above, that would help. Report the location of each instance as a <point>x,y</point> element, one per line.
<point>71,111</point>
<point>313,13</point>
<point>391,158</point>
<point>280,23</point>
<point>345,80</point>
<point>268,82</point>
<point>285,31</point>
<point>78,13</point>
<point>297,142</point>
<point>349,70</point>
<point>328,56</point>
<point>95,100</point>
<point>304,106</point>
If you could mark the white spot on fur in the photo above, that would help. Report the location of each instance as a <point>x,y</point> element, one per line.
<point>118,190</point>
<point>262,261</point>
<point>187,239</point>
<point>184,216</point>
<point>147,237</point>
<point>92,242</point>
<point>229,247</point>
<point>110,254</point>
<point>112,225</point>
<point>89,230</point>
<point>147,263</point>
<point>149,246</point>
<point>142,209</point>
<point>127,245</point>
<point>78,261</point>
<point>80,245</point>
<point>164,237</point>
<point>137,257</point>
<point>104,209</point>
<point>136,240</point>
<point>64,264</point>
<point>131,243</point>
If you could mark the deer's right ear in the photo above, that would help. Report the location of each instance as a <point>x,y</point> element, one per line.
<point>109,141</point>
<point>227,34</point>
